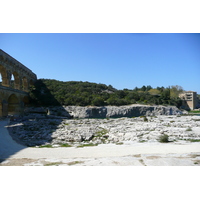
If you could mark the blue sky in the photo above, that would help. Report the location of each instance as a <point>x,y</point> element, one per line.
<point>122,60</point>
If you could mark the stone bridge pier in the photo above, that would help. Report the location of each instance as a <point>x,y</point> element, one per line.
<point>15,81</point>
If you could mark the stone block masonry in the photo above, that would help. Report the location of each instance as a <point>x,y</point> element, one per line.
<point>14,86</point>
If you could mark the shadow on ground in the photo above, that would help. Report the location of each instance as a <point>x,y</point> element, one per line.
<point>35,127</point>
<point>8,146</point>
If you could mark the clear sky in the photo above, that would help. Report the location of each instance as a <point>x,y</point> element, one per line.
<point>121,60</point>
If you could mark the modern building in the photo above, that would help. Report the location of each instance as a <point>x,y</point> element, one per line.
<point>190,100</point>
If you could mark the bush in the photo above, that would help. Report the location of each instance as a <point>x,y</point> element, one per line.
<point>145,119</point>
<point>164,138</point>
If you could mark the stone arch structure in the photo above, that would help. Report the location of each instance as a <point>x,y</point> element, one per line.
<point>13,104</point>
<point>14,93</point>
<point>4,75</point>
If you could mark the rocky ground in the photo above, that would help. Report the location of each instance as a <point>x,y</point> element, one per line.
<point>103,142</point>
<point>77,132</point>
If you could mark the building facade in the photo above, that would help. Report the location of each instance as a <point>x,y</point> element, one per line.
<point>190,99</point>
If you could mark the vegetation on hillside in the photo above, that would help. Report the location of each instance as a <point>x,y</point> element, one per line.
<point>47,92</point>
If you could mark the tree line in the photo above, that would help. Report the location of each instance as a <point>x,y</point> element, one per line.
<point>48,92</point>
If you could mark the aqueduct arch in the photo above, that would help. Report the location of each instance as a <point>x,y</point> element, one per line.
<point>13,104</point>
<point>15,82</point>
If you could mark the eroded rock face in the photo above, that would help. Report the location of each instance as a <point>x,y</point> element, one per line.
<point>113,111</point>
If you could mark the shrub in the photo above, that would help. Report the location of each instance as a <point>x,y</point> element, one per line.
<point>188,129</point>
<point>145,119</point>
<point>164,138</point>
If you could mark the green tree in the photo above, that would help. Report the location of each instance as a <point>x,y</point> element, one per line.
<point>144,88</point>
<point>98,101</point>
<point>175,91</point>
<point>148,88</point>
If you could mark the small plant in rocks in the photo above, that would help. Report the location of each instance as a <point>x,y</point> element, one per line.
<point>46,146</point>
<point>193,140</point>
<point>145,119</point>
<point>163,138</point>
<point>65,145</point>
<point>119,143</point>
<point>100,133</point>
<point>87,145</point>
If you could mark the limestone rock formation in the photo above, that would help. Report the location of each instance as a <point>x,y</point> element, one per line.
<point>134,110</point>
<point>111,130</point>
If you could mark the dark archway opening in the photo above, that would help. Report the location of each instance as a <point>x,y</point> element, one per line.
<point>13,105</point>
<point>26,101</point>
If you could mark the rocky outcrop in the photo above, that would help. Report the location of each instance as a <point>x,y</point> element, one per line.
<point>99,131</point>
<point>134,110</point>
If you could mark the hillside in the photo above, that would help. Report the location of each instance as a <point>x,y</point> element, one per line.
<point>47,92</point>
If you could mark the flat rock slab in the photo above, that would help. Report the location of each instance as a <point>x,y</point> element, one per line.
<point>110,155</point>
<point>107,150</point>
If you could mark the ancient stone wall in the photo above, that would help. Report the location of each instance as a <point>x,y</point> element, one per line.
<point>16,79</point>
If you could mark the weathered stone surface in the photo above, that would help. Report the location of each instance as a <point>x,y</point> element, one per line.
<point>13,94</point>
<point>108,130</point>
<point>134,110</point>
